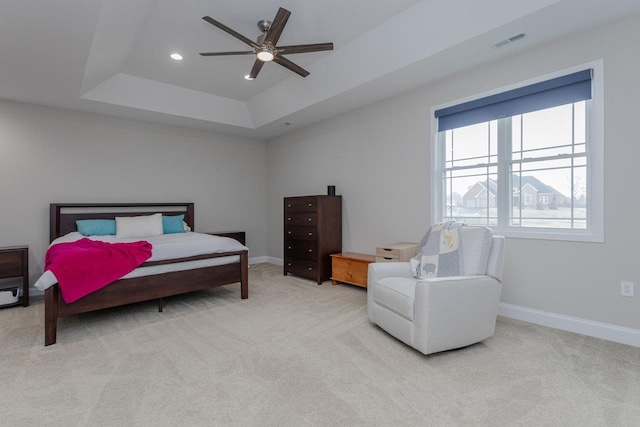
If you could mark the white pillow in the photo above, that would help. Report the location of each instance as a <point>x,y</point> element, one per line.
<point>139,226</point>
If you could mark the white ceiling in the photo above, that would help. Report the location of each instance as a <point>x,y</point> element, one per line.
<point>112,56</point>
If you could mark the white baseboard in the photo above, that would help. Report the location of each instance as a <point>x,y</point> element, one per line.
<point>590,328</point>
<point>258,260</point>
<point>276,261</point>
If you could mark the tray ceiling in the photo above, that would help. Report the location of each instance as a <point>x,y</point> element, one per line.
<point>112,56</point>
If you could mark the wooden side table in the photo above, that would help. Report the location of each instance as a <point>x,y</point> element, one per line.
<point>14,262</point>
<point>350,268</point>
<point>396,252</point>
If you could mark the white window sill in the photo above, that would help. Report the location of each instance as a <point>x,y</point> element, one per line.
<point>546,234</point>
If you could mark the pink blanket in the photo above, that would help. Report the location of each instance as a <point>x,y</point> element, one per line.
<point>85,266</point>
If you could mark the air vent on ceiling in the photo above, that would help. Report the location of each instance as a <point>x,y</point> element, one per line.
<point>510,40</point>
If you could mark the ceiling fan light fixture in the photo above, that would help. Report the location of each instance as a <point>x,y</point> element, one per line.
<point>266,48</point>
<point>248,77</point>
<point>265,54</point>
<point>176,56</point>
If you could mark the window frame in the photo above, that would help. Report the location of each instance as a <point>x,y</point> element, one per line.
<point>594,231</point>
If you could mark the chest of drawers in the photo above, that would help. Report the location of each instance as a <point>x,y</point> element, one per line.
<point>312,232</point>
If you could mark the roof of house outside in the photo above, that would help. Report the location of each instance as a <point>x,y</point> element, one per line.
<point>519,182</point>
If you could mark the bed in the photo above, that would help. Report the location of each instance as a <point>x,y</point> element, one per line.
<point>63,218</point>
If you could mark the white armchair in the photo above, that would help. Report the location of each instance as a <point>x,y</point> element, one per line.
<point>437,314</point>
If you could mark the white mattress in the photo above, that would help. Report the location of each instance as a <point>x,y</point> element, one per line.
<point>164,247</point>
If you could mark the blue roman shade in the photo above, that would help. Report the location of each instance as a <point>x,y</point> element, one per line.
<point>550,93</point>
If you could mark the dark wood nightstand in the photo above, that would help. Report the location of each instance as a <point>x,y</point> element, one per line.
<point>238,235</point>
<point>14,262</point>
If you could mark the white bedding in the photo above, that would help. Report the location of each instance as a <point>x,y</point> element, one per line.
<point>165,246</point>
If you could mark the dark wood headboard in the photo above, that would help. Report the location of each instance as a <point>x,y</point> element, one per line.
<point>63,216</point>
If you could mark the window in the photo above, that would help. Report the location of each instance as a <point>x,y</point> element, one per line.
<point>525,161</point>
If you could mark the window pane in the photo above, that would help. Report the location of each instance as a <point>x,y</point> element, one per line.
<point>536,166</point>
<point>542,198</point>
<point>472,197</point>
<point>470,145</point>
<point>580,197</point>
<point>543,192</point>
<point>547,128</point>
<point>493,140</point>
<point>471,191</point>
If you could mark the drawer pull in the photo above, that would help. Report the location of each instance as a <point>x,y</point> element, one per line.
<point>289,264</point>
<point>310,250</point>
<point>310,268</point>
<point>289,205</point>
<point>288,232</point>
<point>386,258</point>
<point>310,204</point>
<point>309,219</point>
<point>289,247</point>
<point>388,250</point>
<point>289,219</point>
<point>310,234</point>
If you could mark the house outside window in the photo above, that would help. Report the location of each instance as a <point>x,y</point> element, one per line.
<point>534,172</point>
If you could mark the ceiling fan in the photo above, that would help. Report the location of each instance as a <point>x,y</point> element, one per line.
<point>265,47</point>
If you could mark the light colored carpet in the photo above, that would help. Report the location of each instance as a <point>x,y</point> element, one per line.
<point>297,354</point>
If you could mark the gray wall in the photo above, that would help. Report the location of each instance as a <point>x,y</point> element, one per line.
<point>50,155</point>
<point>379,158</point>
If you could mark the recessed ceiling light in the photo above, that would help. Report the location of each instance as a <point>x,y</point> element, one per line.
<point>176,56</point>
<point>248,77</point>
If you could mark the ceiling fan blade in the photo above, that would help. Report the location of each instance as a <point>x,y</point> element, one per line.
<point>290,65</point>
<point>230,31</point>
<point>257,66</point>
<point>276,27</point>
<point>248,52</point>
<point>303,48</point>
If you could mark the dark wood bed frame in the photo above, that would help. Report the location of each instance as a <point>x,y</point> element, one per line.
<point>63,218</point>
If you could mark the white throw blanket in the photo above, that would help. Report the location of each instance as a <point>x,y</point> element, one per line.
<point>440,252</point>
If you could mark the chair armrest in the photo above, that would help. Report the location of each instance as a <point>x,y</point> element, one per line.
<point>455,311</point>
<point>380,270</point>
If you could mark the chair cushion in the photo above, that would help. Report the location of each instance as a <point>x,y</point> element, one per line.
<point>396,294</point>
<point>476,246</point>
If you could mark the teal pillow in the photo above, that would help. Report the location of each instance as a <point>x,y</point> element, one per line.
<point>96,227</point>
<point>172,224</point>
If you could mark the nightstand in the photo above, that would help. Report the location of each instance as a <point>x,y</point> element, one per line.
<point>14,262</point>
<point>396,252</point>
<point>350,268</point>
<point>238,235</point>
